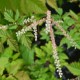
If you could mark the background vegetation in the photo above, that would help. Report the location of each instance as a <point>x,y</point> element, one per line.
<point>21,58</point>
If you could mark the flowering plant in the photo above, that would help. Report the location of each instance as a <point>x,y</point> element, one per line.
<point>39,46</point>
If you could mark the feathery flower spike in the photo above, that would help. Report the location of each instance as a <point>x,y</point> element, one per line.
<point>74,44</point>
<point>55,53</point>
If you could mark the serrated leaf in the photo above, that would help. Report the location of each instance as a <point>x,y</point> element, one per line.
<point>47,48</point>
<point>39,53</point>
<point>65,41</point>
<point>56,17</point>
<point>20,20</point>
<point>8,17</point>
<point>74,68</point>
<point>58,32</point>
<point>12,44</point>
<point>63,56</point>
<point>25,41</point>
<point>44,35</point>
<point>73,15</point>
<point>3,34</point>
<point>29,34</point>
<point>69,21</point>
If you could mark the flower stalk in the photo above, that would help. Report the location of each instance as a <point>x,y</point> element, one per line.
<point>74,44</point>
<point>35,23</point>
<point>54,46</point>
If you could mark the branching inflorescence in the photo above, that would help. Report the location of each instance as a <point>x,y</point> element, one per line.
<point>49,30</point>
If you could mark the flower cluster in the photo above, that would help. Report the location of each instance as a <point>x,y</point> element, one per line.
<point>74,44</point>
<point>3,27</point>
<point>35,32</point>
<point>23,30</point>
<point>48,22</point>
<point>55,54</point>
<point>29,20</point>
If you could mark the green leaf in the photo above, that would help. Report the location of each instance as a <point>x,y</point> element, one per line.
<point>65,41</point>
<point>74,68</point>
<point>47,48</point>
<point>3,64</point>
<point>10,78</point>
<point>73,15</point>
<point>3,34</point>
<point>7,53</point>
<point>39,53</point>
<point>20,20</point>
<point>12,44</point>
<point>8,17</point>
<point>13,26</point>
<point>29,34</point>
<point>17,15</point>
<point>44,35</point>
<point>63,56</point>
<point>52,68</point>
<point>24,6</point>
<point>27,6</point>
<point>27,55</point>
<point>53,4</point>
<point>25,40</point>
<point>21,75</point>
<point>58,32</point>
<point>59,11</point>
<point>15,56</point>
<point>14,66</point>
<point>69,21</point>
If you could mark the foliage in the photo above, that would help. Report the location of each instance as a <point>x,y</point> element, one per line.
<point>26,6</point>
<point>20,57</point>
